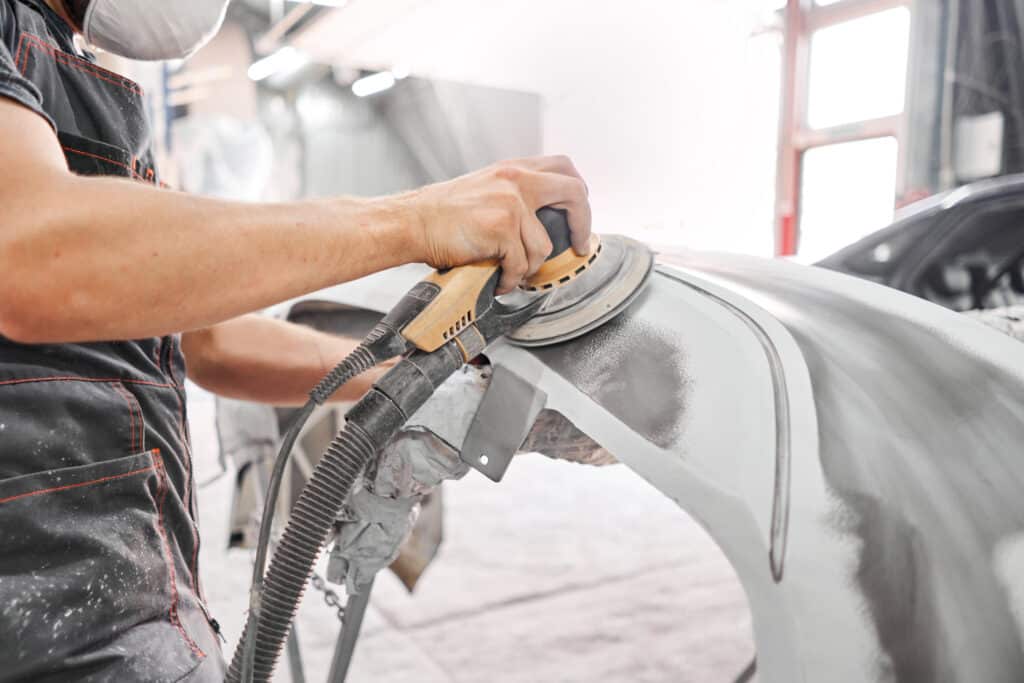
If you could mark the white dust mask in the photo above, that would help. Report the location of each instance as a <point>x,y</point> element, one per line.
<point>153,29</point>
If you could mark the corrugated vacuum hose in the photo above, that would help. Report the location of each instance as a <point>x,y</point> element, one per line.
<point>369,352</point>
<point>311,521</point>
<point>382,343</point>
<point>369,425</point>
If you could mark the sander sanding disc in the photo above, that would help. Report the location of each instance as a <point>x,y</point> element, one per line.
<point>593,298</point>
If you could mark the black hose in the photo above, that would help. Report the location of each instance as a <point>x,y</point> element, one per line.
<point>370,424</point>
<point>359,361</point>
<point>370,351</point>
<point>267,523</point>
<point>312,519</point>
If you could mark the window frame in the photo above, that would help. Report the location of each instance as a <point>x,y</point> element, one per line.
<point>801,19</point>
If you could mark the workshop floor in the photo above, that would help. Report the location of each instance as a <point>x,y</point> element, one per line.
<point>559,573</point>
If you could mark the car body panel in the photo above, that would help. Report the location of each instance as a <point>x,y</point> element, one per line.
<point>853,450</point>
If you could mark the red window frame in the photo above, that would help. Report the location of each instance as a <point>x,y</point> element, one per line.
<point>801,18</point>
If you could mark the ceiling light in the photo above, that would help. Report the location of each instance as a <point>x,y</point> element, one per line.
<point>287,59</point>
<point>373,84</point>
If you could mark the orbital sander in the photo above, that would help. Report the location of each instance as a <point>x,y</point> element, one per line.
<point>614,276</point>
<point>567,297</point>
<point>443,322</point>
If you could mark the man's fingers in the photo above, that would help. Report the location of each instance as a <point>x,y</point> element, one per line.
<point>513,267</point>
<point>535,239</point>
<point>563,192</point>
<point>580,224</point>
<point>557,163</point>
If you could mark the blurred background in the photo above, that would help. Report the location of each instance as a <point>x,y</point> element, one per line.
<point>738,125</point>
<point>721,124</point>
<point>758,126</point>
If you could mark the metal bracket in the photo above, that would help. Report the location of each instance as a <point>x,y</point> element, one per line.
<point>502,422</point>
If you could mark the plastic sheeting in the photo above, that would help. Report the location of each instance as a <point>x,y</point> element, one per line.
<point>380,515</point>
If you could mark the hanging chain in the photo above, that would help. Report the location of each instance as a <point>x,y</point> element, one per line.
<point>330,597</point>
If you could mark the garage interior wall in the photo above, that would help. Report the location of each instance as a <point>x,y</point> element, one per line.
<point>310,136</point>
<point>418,132</point>
<point>669,109</point>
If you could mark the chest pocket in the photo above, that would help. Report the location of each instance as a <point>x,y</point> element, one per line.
<point>100,115</point>
<point>93,157</point>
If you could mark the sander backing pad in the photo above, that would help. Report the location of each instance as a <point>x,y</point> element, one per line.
<point>594,297</point>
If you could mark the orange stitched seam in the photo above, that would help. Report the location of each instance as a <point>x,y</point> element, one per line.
<point>75,486</point>
<point>82,65</point>
<point>100,158</point>
<point>135,176</point>
<point>140,424</point>
<point>131,413</point>
<point>66,60</point>
<point>130,168</point>
<point>86,379</point>
<point>18,56</point>
<point>138,436</point>
<point>162,487</point>
<point>25,44</point>
<point>169,558</point>
<point>136,167</point>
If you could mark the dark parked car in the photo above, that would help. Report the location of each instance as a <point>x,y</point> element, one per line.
<point>963,249</point>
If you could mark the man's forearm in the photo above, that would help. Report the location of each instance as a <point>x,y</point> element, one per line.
<point>255,358</point>
<point>128,261</point>
<point>91,259</point>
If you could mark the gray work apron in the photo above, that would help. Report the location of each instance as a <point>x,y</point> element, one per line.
<point>98,543</point>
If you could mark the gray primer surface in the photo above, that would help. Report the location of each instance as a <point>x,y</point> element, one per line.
<point>630,361</point>
<point>906,506</point>
<point>924,444</point>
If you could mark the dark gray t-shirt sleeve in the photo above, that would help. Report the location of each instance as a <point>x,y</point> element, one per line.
<point>13,85</point>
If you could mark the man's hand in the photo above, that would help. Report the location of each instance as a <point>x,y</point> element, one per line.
<point>491,213</point>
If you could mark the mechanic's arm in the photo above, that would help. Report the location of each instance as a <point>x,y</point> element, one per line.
<point>255,358</point>
<point>86,259</point>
